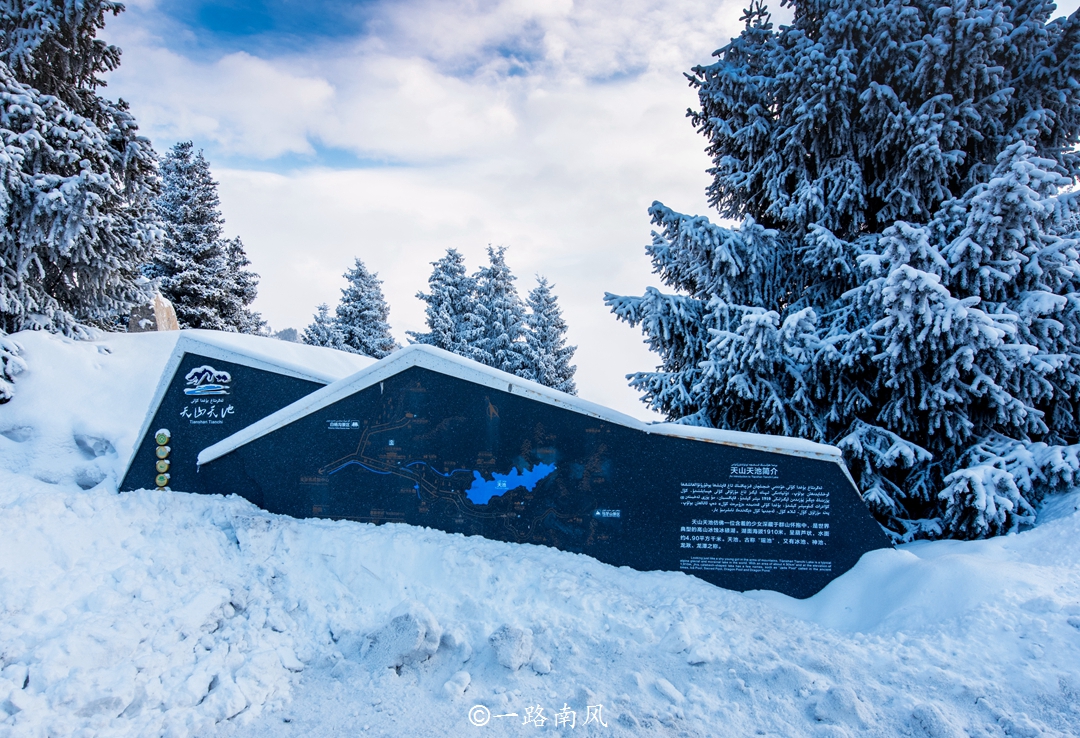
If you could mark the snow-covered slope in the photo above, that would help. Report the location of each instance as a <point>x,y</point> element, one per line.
<point>154,613</point>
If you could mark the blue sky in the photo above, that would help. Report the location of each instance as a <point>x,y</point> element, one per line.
<point>253,26</point>
<point>288,27</point>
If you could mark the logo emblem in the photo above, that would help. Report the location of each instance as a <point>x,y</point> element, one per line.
<point>479,715</point>
<point>206,380</point>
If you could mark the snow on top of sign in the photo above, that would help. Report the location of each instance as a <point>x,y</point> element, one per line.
<point>316,363</point>
<point>757,441</point>
<point>444,362</point>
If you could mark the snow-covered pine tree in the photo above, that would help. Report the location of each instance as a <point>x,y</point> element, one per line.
<point>78,182</point>
<point>240,290</point>
<point>905,282</point>
<point>499,339</point>
<point>11,364</point>
<point>549,356</point>
<point>204,275</point>
<point>192,264</point>
<point>323,331</point>
<point>451,306</point>
<point>362,314</point>
<point>53,47</point>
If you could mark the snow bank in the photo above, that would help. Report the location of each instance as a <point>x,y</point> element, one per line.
<point>161,613</point>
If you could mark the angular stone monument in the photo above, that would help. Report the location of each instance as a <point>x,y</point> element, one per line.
<point>211,388</point>
<point>427,438</point>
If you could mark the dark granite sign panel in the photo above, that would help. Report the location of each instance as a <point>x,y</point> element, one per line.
<point>206,400</point>
<point>428,449</point>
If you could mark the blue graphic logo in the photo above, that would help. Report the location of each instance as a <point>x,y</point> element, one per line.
<point>206,380</point>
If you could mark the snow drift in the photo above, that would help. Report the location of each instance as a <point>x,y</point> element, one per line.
<point>162,613</point>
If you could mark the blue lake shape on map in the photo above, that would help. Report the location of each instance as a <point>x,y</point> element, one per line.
<point>482,490</point>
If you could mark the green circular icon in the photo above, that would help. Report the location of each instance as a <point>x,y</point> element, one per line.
<point>162,451</point>
<point>162,466</point>
<point>162,436</point>
<point>161,480</point>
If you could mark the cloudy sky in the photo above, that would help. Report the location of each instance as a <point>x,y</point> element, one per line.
<point>394,130</point>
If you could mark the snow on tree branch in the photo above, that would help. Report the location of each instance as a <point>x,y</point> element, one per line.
<point>905,278</point>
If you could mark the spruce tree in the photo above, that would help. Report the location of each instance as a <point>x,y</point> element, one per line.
<point>204,275</point>
<point>240,290</point>
<point>52,46</point>
<point>323,331</point>
<point>499,338</point>
<point>905,279</point>
<point>451,306</point>
<point>192,264</point>
<point>362,314</point>
<point>549,356</point>
<point>77,180</point>
<point>11,365</point>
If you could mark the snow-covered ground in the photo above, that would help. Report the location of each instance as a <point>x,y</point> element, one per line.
<point>154,612</point>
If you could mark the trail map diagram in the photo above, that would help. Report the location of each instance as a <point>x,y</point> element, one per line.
<point>381,451</point>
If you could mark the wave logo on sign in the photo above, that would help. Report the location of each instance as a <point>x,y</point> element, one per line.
<point>206,380</point>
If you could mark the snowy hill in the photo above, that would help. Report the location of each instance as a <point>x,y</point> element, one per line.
<point>154,612</point>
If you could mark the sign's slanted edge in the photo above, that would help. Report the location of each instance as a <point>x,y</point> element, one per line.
<point>444,362</point>
<point>224,347</point>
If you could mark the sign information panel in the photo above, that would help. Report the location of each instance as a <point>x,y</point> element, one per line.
<point>429,449</point>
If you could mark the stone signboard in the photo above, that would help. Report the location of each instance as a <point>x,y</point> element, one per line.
<point>424,447</point>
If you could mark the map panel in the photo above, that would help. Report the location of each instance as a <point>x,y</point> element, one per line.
<point>425,448</point>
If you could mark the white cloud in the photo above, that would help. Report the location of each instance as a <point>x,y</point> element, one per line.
<point>243,104</point>
<point>585,39</point>
<point>548,127</point>
<point>439,79</point>
<point>406,110</point>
